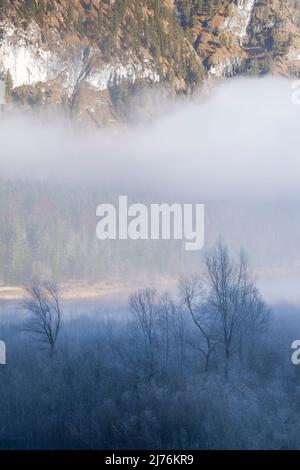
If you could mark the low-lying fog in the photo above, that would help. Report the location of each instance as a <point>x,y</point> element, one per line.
<point>235,149</point>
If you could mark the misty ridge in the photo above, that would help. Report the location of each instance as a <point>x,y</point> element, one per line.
<point>234,148</point>
<point>239,133</point>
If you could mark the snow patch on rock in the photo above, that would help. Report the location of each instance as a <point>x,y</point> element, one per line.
<point>228,67</point>
<point>102,78</point>
<point>23,53</point>
<point>294,54</point>
<point>238,22</point>
<point>20,52</point>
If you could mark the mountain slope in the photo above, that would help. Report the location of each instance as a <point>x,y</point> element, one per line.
<point>89,58</point>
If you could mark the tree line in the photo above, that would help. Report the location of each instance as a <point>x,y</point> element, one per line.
<point>227,314</point>
<point>207,367</point>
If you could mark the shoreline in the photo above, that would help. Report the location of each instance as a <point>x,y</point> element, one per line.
<point>106,290</point>
<point>275,291</point>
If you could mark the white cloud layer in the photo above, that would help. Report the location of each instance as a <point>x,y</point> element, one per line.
<point>243,140</point>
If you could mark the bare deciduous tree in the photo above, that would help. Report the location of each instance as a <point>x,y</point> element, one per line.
<point>43,306</point>
<point>165,309</point>
<point>143,304</point>
<point>179,331</point>
<point>253,324</point>
<point>231,291</point>
<point>194,301</point>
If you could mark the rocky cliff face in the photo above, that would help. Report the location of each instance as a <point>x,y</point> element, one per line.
<point>89,58</point>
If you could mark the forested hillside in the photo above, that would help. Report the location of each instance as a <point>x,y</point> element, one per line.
<point>49,231</point>
<point>88,59</point>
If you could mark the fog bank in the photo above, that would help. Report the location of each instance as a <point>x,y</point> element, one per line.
<point>236,150</point>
